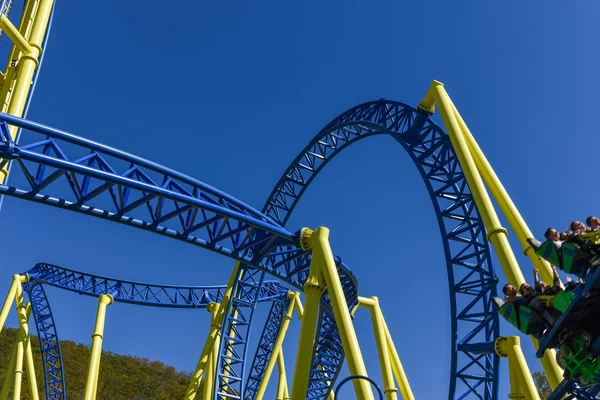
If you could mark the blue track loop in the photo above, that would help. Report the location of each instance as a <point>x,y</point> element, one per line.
<point>137,293</point>
<point>471,277</point>
<point>69,172</point>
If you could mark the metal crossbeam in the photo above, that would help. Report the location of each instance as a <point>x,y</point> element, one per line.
<point>471,276</point>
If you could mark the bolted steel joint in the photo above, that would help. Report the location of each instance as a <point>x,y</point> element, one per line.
<point>306,239</point>
<point>499,347</point>
<point>495,232</point>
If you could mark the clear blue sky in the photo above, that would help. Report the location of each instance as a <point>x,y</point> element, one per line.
<point>230,92</point>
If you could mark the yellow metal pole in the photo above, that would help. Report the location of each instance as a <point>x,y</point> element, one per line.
<point>24,311</point>
<point>497,235</point>
<point>9,374</point>
<point>8,302</point>
<point>511,269</point>
<point>12,63</point>
<point>499,193</point>
<point>13,33</point>
<point>399,373</point>
<point>91,384</point>
<point>18,371</point>
<point>389,388</point>
<point>282,388</point>
<point>276,347</point>
<point>27,64</point>
<point>211,369</point>
<point>520,375</point>
<point>356,365</point>
<point>313,290</point>
<point>209,377</point>
<point>215,329</point>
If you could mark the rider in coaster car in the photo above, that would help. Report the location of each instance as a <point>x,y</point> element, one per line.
<point>593,223</point>
<point>542,288</point>
<point>577,254</point>
<point>530,300</point>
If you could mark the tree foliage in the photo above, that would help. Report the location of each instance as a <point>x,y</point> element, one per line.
<point>542,385</point>
<point>121,377</point>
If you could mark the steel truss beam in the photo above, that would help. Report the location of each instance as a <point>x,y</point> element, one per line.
<point>137,293</point>
<point>471,277</point>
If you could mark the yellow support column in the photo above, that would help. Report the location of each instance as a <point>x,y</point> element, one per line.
<point>91,384</point>
<point>27,64</point>
<point>497,235</point>
<point>18,371</point>
<point>282,387</point>
<point>213,335</point>
<point>313,290</point>
<point>322,254</point>
<point>399,373</point>
<point>474,158</point>
<point>499,193</point>
<point>8,302</point>
<point>24,311</point>
<point>213,357</point>
<point>277,347</point>
<point>521,382</point>
<point>389,388</point>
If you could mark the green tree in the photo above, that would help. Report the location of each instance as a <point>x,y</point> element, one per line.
<point>542,385</point>
<point>122,377</point>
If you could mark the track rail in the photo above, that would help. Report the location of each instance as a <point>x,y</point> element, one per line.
<point>471,277</point>
<point>136,293</point>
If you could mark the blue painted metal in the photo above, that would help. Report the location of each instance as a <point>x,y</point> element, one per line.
<point>143,294</point>
<point>352,377</point>
<point>471,277</point>
<point>49,343</point>
<point>136,293</point>
<point>570,390</point>
<point>265,346</point>
<point>117,186</point>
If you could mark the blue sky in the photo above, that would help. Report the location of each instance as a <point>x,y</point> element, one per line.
<point>230,92</point>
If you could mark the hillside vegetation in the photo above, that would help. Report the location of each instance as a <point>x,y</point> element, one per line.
<point>121,377</point>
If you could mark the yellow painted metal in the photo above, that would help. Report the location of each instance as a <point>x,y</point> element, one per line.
<point>497,235</point>
<point>8,303</point>
<point>18,371</point>
<point>399,373</point>
<point>26,66</point>
<point>553,372</point>
<point>23,312</point>
<point>12,63</point>
<point>313,290</point>
<point>213,335</point>
<point>299,306</point>
<point>282,387</point>
<point>91,384</point>
<point>13,33</point>
<point>499,193</point>
<point>209,377</point>
<point>322,252</point>
<point>473,162</point>
<point>277,346</point>
<point>389,388</point>
<point>521,381</point>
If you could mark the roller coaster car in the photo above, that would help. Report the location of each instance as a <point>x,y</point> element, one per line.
<point>528,320</point>
<point>576,256</point>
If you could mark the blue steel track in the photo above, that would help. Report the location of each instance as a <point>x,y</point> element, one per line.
<point>59,169</point>
<point>136,293</point>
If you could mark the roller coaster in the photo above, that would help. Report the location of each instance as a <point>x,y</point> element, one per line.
<point>59,169</point>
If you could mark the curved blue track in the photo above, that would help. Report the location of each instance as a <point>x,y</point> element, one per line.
<point>137,293</point>
<point>471,276</point>
<point>69,172</point>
